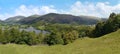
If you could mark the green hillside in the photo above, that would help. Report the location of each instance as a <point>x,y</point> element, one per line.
<point>2,22</point>
<point>61,18</point>
<point>108,44</point>
<point>14,19</point>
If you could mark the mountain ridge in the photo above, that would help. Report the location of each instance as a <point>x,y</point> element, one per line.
<point>14,19</point>
<point>61,18</point>
<point>54,18</point>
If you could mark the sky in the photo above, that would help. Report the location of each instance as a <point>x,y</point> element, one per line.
<point>98,8</point>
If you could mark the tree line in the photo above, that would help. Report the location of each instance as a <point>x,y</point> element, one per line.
<point>59,34</point>
<point>111,25</point>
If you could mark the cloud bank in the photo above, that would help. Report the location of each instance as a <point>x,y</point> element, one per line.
<point>100,9</point>
<point>24,10</point>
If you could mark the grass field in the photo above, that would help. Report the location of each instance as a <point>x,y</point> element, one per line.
<point>108,44</point>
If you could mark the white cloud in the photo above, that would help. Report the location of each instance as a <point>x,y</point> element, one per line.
<point>29,10</point>
<point>46,9</point>
<point>99,9</point>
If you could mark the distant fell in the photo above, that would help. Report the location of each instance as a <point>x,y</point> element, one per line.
<point>60,18</point>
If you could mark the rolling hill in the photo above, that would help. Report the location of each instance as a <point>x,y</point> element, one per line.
<point>60,18</point>
<point>14,19</point>
<point>2,22</point>
<point>28,19</point>
<point>107,44</point>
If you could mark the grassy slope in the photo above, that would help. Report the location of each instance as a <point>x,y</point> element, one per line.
<point>108,44</point>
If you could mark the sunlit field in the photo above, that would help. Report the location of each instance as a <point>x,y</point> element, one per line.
<point>108,44</point>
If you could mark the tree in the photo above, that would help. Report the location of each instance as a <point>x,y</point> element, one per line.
<point>32,38</point>
<point>40,38</point>
<point>14,35</point>
<point>54,38</point>
<point>2,38</point>
<point>6,36</point>
<point>111,25</point>
<point>70,36</point>
<point>99,29</point>
<point>24,38</point>
<point>112,15</point>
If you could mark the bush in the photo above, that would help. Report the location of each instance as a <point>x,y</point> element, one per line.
<point>54,38</point>
<point>69,37</point>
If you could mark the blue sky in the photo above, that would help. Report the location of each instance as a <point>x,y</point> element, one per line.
<point>99,8</point>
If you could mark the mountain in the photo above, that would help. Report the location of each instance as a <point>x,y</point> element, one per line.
<point>1,21</point>
<point>34,16</point>
<point>28,19</point>
<point>60,18</point>
<point>14,19</point>
<point>104,19</point>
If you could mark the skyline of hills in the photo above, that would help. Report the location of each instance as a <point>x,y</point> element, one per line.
<point>55,18</point>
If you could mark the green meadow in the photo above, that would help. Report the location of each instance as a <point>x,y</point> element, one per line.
<point>108,44</point>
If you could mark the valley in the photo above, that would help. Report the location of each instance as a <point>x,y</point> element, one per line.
<point>59,27</point>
